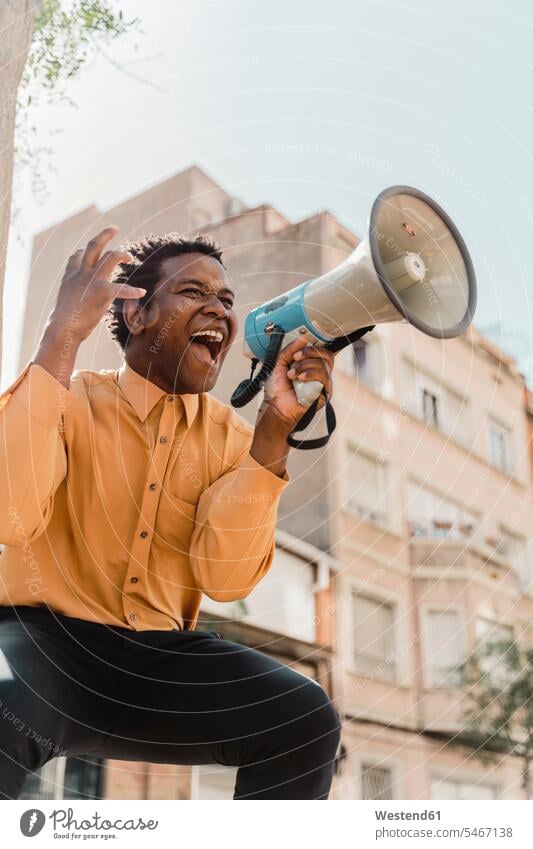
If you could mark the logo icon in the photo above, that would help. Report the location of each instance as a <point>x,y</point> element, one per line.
<point>32,822</point>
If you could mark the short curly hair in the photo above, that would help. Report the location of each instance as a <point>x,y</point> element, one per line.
<point>149,252</point>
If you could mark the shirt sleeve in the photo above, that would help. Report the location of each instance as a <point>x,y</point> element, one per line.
<point>33,460</point>
<point>233,544</point>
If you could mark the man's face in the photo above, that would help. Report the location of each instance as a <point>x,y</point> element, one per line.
<point>192,295</point>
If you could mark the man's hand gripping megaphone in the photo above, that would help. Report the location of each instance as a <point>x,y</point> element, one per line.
<point>301,361</point>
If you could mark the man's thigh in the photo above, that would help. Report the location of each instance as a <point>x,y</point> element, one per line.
<point>192,698</point>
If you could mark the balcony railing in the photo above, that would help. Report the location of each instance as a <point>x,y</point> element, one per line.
<point>459,530</point>
<point>457,554</point>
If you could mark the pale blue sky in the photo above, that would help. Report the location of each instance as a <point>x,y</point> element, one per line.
<point>313,105</point>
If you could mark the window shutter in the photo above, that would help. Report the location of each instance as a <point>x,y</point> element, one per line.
<point>443,646</point>
<point>373,635</point>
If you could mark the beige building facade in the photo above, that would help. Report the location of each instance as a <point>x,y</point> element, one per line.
<point>400,546</point>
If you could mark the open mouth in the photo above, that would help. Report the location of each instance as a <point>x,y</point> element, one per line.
<point>212,340</point>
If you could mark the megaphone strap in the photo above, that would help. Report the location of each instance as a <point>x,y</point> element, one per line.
<point>341,342</point>
<point>331,423</point>
<point>331,420</point>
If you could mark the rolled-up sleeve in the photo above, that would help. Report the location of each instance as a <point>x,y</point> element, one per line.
<point>232,546</point>
<point>32,453</point>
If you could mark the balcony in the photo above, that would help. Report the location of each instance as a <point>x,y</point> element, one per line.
<point>461,555</point>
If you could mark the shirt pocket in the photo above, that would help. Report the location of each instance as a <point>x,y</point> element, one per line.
<point>187,475</point>
<point>174,525</point>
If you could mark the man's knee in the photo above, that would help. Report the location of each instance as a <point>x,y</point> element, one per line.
<point>314,720</point>
<point>298,753</point>
<point>321,717</point>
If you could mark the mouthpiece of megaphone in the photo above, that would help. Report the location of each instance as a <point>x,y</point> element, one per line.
<point>413,266</point>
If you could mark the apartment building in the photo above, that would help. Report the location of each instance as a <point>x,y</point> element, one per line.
<point>399,547</point>
<point>433,518</point>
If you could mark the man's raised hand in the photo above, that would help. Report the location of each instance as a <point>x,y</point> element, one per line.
<point>86,290</point>
<point>83,298</point>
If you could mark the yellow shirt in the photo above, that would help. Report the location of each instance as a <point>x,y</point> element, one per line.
<point>121,504</point>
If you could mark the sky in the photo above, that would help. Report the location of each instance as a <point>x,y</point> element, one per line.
<point>307,106</point>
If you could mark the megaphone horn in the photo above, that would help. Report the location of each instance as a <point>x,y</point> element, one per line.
<point>413,266</point>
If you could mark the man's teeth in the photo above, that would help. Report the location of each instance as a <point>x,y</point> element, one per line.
<point>215,334</point>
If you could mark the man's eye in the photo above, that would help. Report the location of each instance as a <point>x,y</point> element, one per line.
<point>226,301</point>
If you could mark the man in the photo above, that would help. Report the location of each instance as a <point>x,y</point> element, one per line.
<point>127,494</point>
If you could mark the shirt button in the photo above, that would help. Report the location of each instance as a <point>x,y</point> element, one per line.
<point>133,580</point>
<point>170,399</point>
<point>153,486</point>
<point>163,439</point>
<point>143,534</point>
<point>132,617</point>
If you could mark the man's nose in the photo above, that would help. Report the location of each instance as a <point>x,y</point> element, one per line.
<point>214,306</point>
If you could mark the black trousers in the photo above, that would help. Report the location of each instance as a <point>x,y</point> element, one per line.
<point>71,687</point>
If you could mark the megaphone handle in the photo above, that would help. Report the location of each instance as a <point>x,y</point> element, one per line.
<point>307,391</point>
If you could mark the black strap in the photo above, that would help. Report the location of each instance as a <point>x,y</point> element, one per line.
<point>342,341</point>
<point>307,417</point>
<point>335,345</point>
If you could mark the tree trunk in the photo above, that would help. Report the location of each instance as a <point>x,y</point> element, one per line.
<point>16,24</point>
<point>526,775</point>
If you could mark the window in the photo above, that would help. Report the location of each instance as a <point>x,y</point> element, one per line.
<point>84,778</point>
<point>514,549</point>
<point>46,782</point>
<point>366,487</point>
<point>423,394</point>
<point>362,359</point>
<point>500,447</point>
<point>488,631</point>
<point>284,601</point>
<point>373,637</point>
<point>431,515</point>
<point>65,778</point>
<point>213,782</point>
<point>359,350</point>
<point>448,788</point>
<point>430,408</point>
<point>455,418</point>
<point>435,404</point>
<point>444,647</point>
<point>376,782</point>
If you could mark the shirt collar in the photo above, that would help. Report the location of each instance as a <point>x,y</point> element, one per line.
<point>143,395</point>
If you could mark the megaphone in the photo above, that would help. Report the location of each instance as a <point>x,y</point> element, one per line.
<point>413,266</point>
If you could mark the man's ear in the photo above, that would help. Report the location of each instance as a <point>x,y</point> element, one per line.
<point>139,317</point>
